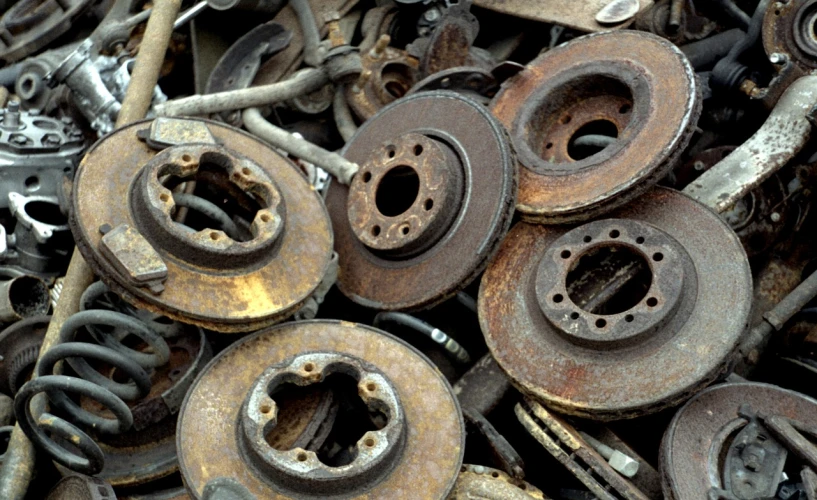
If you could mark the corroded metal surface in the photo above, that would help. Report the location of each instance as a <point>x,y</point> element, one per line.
<point>788,28</point>
<point>634,86</point>
<point>702,430</point>
<point>388,74</point>
<point>433,448</point>
<point>460,223</point>
<point>485,483</point>
<point>576,15</point>
<point>212,280</point>
<point>649,354</point>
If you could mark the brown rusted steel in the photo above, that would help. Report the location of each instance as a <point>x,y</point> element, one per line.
<point>387,75</point>
<point>558,338</point>
<point>483,386</point>
<point>635,85</point>
<point>691,451</point>
<point>577,15</point>
<point>485,483</point>
<point>269,276</point>
<point>228,393</point>
<point>400,253</point>
<point>567,446</point>
<point>788,30</point>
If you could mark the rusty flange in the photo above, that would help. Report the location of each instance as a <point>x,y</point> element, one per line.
<point>388,74</point>
<point>214,278</point>
<point>632,86</point>
<point>697,440</point>
<point>485,483</point>
<point>236,394</point>
<point>789,28</point>
<point>618,317</point>
<point>432,200</point>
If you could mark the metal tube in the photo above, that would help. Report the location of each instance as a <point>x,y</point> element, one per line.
<point>343,115</point>
<point>452,348</point>
<point>774,320</point>
<point>675,12</point>
<point>309,29</point>
<point>333,163</point>
<point>781,137</point>
<point>23,297</point>
<point>304,82</point>
<point>18,462</point>
<point>189,14</point>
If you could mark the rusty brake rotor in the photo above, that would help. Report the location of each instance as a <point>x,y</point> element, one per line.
<point>256,258</point>
<point>237,394</point>
<point>618,317</point>
<point>432,200</point>
<point>733,437</point>
<point>789,28</point>
<point>596,122</point>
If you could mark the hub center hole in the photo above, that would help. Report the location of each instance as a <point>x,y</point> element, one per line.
<point>609,279</point>
<point>337,404</point>
<point>591,138</point>
<point>397,191</point>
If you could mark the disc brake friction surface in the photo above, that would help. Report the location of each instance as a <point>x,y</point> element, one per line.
<point>430,205</point>
<point>203,276</point>
<point>417,454</point>
<point>551,328</point>
<point>635,88</point>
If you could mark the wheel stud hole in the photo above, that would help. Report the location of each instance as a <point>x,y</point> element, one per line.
<point>558,298</point>
<point>601,323</point>
<point>658,256</point>
<point>566,254</point>
<point>652,302</point>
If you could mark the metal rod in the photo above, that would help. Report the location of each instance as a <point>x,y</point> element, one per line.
<point>333,163</point>
<point>309,29</point>
<point>304,82</point>
<point>18,462</point>
<point>675,12</point>
<point>343,115</point>
<point>189,14</point>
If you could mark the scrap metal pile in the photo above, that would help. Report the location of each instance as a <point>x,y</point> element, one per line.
<point>408,249</point>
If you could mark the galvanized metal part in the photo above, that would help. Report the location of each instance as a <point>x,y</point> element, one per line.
<point>485,483</point>
<point>236,395</point>
<point>28,26</point>
<point>618,317</point>
<point>781,137</point>
<point>212,280</point>
<point>567,446</point>
<point>580,16</point>
<point>633,86</point>
<point>41,240</point>
<point>706,427</point>
<point>36,152</point>
<point>431,202</point>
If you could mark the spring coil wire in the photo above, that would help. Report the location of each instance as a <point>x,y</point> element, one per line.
<point>107,328</point>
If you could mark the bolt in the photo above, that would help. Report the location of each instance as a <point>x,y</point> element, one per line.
<point>775,217</point>
<point>699,165</point>
<point>621,463</point>
<point>380,46</point>
<point>777,58</point>
<point>431,15</point>
<point>361,81</point>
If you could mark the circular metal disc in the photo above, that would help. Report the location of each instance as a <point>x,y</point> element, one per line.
<point>238,299</point>
<point>482,219</point>
<point>686,352</point>
<point>434,449</point>
<point>691,449</point>
<point>636,82</point>
<point>788,29</point>
<point>485,483</point>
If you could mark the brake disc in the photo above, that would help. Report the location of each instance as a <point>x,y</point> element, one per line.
<point>635,90</point>
<point>720,425</point>
<point>618,317</point>
<point>432,200</point>
<point>237,394</point>
<point>485,483</point>
<point>259,273</point>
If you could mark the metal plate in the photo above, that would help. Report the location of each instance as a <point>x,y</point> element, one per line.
<point>242,298</point>
<point>692,446</point>
<point>645,358</point>
<point>433,453</point>
<point>576,15</point>
<point>636,84</point>
<point>461,133</point>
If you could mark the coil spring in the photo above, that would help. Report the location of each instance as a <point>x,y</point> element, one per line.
<point>107,328</point>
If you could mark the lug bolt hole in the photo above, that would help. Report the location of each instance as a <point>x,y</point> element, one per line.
<point>376,231</point>
<point>309,367</point>
<point>187,158</point>
<point>368,442</point>
<point>302,457</point>
<point>566,254</point>
<point>164,197</point>
<point>658,256</point>
<point>558,298</point>
<point>629,318</point>
<point>367,176</point>
<point>213,236</point>
<point>265,218</point>
<point>652,302</point>
<point>371,387</point>
<point>265,408</point>
<point>588,239</point>
<point>429,204</point>
<point>601,323</point>
<point>418,150</point>
<point>640,240</point>
<point>574,315</point>
<point>615,233</point>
